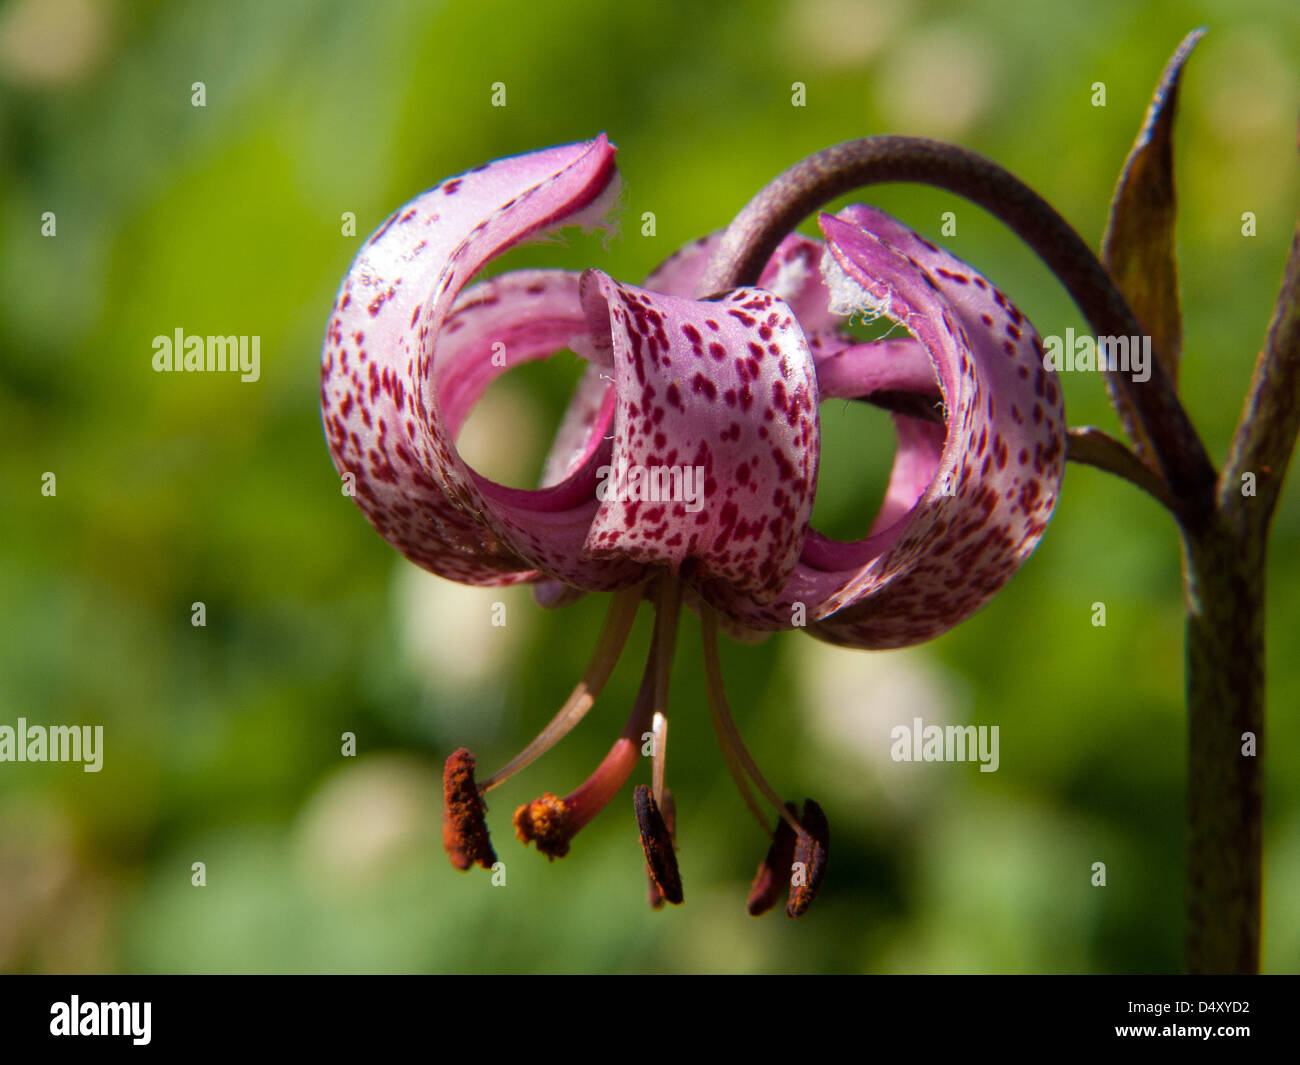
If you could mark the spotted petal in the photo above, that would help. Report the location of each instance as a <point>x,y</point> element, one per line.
<point>966,505</point>
<point>792,273</point>
<point>723,387</point>
<point>400,368</point>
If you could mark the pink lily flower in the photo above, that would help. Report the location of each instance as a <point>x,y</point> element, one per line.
<point>725,383</point>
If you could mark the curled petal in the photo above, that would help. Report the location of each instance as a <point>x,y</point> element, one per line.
<point>898,365</point>
<point>716,412</point>
<point>586,421</point>
<point>966,505</point>
<point>793,273</point>
<point>397,378</point>
<point>680,273</point>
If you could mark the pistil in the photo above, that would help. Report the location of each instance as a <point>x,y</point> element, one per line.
<point>551,822</point>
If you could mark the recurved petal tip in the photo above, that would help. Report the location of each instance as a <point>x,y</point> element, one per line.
<point>774,870</point>
<point>407,353</point>
<point>809,859</point>
<point>464,822</point>
<point>657,842</point>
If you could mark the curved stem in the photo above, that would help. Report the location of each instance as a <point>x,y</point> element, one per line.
<point>750,240</point>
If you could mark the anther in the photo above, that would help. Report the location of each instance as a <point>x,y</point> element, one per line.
<point>669,810</point>
<point>774,870</point>
<point>547,823</point>
<point>464,824</point>
<point>657,842</point>
<point>809,864</point>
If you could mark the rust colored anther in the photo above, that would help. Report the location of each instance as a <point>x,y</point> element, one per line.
<point>773,871</point>
<point>809,859</point>
<point>464,821</point>
<point>657,842</point>
<point>653,895</point>
<point>547,823</point>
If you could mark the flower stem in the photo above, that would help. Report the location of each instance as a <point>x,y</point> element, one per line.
<point>1225,526</point>
<point>1225,567</point>
<point>1225,732</point>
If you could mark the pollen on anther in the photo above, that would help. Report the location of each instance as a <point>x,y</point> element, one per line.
<point>464,822</point>
<point>545,822</point>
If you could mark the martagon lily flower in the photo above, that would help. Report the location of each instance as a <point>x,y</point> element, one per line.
<point>728,382</point>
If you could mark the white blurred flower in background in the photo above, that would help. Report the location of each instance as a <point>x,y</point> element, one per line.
<point>51,43</point>
<point>840,33</point>
<point>366,819</point>
<point>853,701</point>
<point>939,82</point>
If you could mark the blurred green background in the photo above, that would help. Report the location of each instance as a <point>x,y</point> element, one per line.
<point>222,743</point>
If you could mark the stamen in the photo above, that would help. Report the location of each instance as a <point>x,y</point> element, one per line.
<point>657,842</point>
<point>464,824</point>
<point>613,638</point>
<point>774,871</point>
<point>738,773</point>
<point>725,726</point>
<point>659,741</point>
<point>552,822</point>
<point>809,859</point>
<point>798,850</point>
<point>669,606</point>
